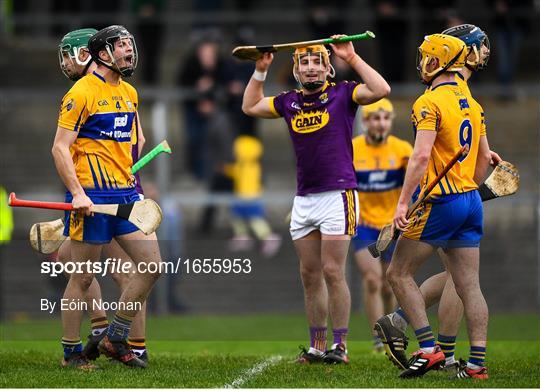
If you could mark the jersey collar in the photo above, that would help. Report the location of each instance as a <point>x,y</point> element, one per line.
<point>99,76</point>
<point>441,84</point>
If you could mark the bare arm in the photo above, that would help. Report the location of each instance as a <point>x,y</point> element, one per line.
<point>254,103</point>
<point>415,170</point>
<point>482,161</point>
<point>66,170</point>
<point>375,86</point>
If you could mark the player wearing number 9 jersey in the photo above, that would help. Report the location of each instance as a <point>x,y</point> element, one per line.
<point>444,119</point>
<point>440,287</point>
<point>458,120</point>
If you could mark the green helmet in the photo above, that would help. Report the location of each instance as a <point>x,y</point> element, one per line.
<point>70,46</point>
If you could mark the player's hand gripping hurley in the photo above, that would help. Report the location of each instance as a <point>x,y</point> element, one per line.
<point>145,214</point>
<point>388,234</point>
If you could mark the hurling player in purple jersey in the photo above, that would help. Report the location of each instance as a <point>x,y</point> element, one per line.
<point>325,212</point>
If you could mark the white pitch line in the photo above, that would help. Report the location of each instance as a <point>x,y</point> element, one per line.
<point>253,372</point>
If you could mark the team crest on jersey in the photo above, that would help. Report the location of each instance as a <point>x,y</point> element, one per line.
<point>295,105</point>
<point>308,122</point>
<point>70,105</point>
<point>129,104</point>
<point>424,112</point>
<point>323,98</point>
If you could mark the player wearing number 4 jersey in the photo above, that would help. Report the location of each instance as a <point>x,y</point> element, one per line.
<point>93,155</point>
<point>76,62</point>
<point>445,118</point>
<point>320,120</point>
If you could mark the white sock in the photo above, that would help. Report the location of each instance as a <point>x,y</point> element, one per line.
<point>315,351</point>
<point>450,360</point>
<point>473,366</point>
<point>428,350</point>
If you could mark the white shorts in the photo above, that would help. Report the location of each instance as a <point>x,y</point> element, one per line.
<point>332,213</point>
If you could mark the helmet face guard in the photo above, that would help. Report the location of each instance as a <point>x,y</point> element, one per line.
<point>478,49</point>
<point>69,53</point>
<point>477,43</point>
<point>69,57</point>
<point>309,61</point>
<point>120,46</point>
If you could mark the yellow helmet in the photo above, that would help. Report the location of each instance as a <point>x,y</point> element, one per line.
<point>316,50</point>
<point>450,51</point>
<point>381,105</point>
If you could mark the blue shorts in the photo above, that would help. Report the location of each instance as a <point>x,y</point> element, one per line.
<point>365,236</point>
<point>100,228</point>
<point>247,209</point>
<point>451,221</point>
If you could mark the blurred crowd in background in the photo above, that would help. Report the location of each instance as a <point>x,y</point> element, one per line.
<point>185,46</point>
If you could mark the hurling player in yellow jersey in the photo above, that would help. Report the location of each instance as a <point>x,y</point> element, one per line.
<point>440,287</point>
<point>444,118</point>
<point>76,62</point>
<point>93,154</point>
<point>380,161</point>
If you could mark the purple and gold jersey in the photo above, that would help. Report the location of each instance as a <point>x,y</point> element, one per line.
<point>104,116</point>
<point>321,128</point>
<point>380,171</point>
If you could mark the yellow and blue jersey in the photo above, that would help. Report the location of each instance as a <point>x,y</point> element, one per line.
<point>462,83</point>
<point>380,172</point>
<point>453,218</point>
<point>104,116</point>
<point>458,120</point>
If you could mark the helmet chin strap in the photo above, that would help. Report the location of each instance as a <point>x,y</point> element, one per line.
<point>313,85</point>
<point>85,70</point>
<point>439,71</point>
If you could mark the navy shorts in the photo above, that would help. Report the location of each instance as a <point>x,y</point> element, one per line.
<point>367,235</point>
<point>452,221</point>
<point>101,228</point>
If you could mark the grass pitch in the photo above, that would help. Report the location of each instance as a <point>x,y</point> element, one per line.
<point>254,351</point>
